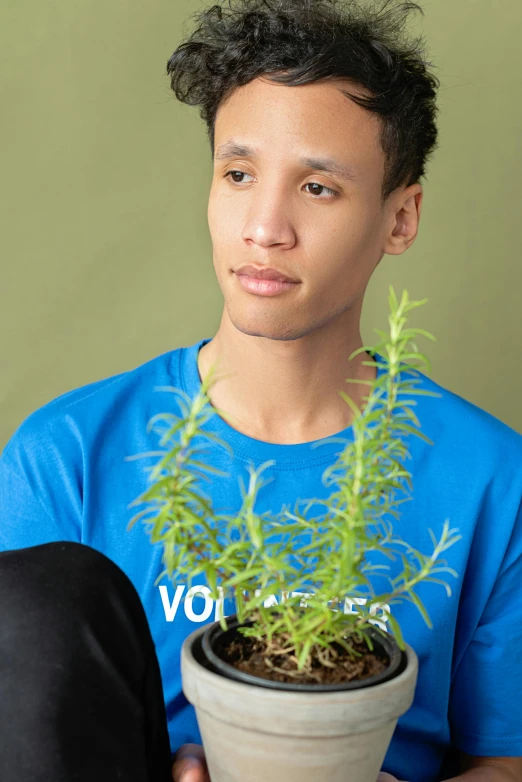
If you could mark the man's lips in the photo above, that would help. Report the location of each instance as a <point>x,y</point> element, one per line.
<point>265,287</point>
<point>264,273</point>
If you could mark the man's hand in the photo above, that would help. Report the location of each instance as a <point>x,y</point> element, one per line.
<point>190,765</point>
<point>385,777</point>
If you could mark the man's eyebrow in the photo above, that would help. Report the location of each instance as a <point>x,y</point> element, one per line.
<point>330,166</point>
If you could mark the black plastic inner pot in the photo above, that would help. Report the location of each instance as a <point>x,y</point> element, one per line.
<point>215,639</point>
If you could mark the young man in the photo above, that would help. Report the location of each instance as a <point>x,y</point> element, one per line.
<point>315,181</point>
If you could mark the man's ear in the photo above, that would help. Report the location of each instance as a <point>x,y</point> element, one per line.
<point>405,211</point>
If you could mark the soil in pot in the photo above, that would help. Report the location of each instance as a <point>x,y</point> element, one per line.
<point>251,656</point>
<point>248,659</point>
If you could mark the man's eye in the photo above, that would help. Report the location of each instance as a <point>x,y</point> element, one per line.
<point>308,184</point>
<point>323,187</point>
<point>241,173</point>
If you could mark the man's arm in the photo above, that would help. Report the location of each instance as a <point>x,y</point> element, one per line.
<point>489,769</point>
<point>475,768</point>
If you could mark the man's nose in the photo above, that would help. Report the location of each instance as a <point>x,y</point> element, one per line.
<point>270,221</point>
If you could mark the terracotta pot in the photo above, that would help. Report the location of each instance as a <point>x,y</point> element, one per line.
<point>258,732</point>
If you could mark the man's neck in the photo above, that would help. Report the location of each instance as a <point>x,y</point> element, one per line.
<point>285,392</point>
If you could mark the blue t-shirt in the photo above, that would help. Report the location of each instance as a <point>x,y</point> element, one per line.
<point>64,476</point>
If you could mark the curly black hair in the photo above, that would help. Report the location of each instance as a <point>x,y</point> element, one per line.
<point>303,41</point>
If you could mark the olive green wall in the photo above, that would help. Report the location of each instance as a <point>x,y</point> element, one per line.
<point>105,252</point>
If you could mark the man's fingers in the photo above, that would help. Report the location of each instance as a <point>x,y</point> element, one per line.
<point>188,771</point>
<point>190,765</point>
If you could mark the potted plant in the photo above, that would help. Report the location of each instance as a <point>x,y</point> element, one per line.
<point>311,685</point>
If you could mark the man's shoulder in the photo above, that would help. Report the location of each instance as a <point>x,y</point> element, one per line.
<point>94,404</point>
<point>465,428</point>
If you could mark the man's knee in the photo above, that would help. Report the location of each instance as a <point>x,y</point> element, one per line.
<point>70,641</point>
<point>66,607</point>
<point>54,579</point>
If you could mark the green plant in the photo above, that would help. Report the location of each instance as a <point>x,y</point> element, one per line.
<point>315,563</point>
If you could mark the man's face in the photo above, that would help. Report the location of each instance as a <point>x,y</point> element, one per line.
<point>282,214</point>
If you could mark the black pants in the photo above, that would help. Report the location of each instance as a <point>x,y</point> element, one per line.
<point>81,698</point>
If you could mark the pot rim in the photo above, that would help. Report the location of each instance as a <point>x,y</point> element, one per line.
<point>211,633</point>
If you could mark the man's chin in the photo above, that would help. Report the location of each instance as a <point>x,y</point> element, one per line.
<point>277,332</point>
